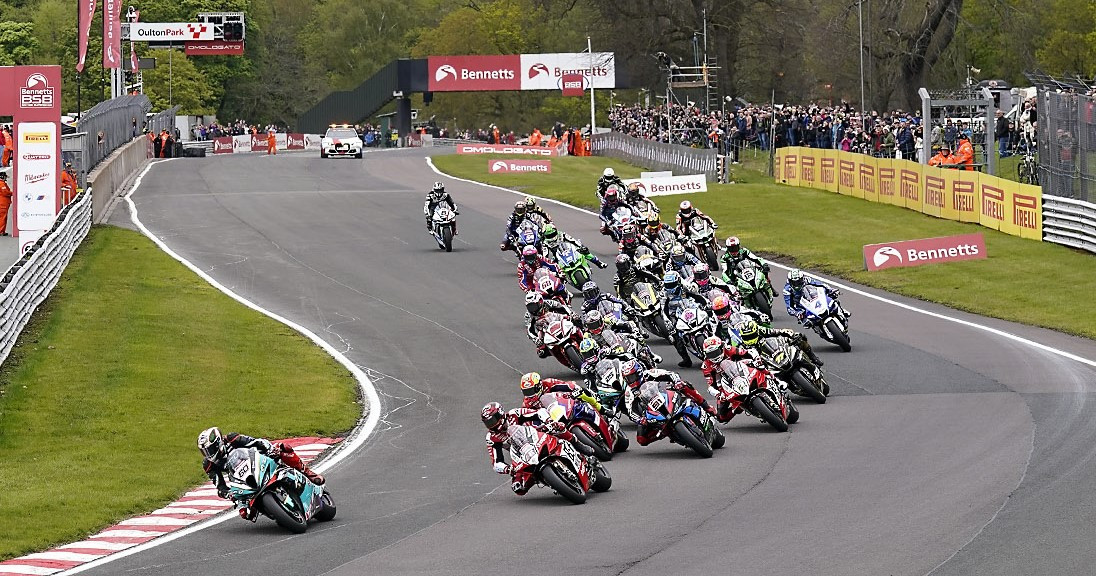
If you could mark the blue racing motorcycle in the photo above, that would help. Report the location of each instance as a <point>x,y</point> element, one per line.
<point>284,494</point>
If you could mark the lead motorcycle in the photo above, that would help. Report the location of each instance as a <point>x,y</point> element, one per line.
<point>789,364</point>
<point>275,490</point>
<point>588,426</point>
<point>547,460</point>
<point>678,418</point>
<point>825,316</point>
<point>747,388</point>
<point>443,224</point>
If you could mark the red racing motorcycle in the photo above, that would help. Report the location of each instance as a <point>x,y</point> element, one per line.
<point>592,429</point>
<point>537,457</point>
<point>562,339</point>
<point>743,387</point>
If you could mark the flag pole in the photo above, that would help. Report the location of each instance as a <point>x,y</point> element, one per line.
<point>590,75</point>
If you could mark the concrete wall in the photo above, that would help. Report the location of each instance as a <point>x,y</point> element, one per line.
<point>107,178</point>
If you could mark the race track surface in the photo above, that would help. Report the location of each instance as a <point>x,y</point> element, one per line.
<point>943,449</point>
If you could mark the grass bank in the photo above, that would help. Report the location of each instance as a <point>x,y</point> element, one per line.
<point>130,357</point>
<point>1022,280</point>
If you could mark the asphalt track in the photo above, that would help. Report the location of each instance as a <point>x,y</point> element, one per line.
<point>943,450</point>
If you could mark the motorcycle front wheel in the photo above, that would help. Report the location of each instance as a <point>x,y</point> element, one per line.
<point>290,520</point>
<point>602,480</point>
<point>447,238</point>
<point>573,357</point>
<point>839,336</point>
<point>759,407</point>
<point>806,387</point>
<point>565,488</point>
<point>601,449</point>
<point>762,304</point>
<point>692,438</point>
<point>328,511</point>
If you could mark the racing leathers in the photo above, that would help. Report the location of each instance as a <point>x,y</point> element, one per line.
<point>525,272</point>
<point>498,443</point>
<point>516,217</point>
<point>604,182</point>
<point>666,380</point>
<point>793,295</point>
<point>606,214</point>
<point>215,467</point>
<point>683,222</point>
<point>730,262</point>
<point>534,326</point>
<point>557,386</point>
<point>674,303</point>
<point>432,202</point>
<point>641,203</point>
<point>791,336</point>
<point>712,373</point>
<point>683,266</point>
<point>551,248</point>
<point>624,284</point>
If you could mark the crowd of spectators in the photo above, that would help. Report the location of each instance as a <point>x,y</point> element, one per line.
<point>894,134</point>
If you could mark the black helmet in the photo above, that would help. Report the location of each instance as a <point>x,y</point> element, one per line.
<point>590,290</point>
<point>623,263</point>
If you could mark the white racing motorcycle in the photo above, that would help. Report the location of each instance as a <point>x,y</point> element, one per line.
<point>443,224</point>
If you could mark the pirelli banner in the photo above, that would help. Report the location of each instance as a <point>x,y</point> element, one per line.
<point>965,196</point>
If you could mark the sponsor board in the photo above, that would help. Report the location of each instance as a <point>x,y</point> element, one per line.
<point>552,71</point>
<point>572,84</point>
<point>223,145</point>
<point>167,31</point>
<point>294,142</point>
<point>519,166</point>
<point>112,33</point>
<point>473,73</point>
<point>37,93</point>
<point>36,181</point>
<point>924,251</point>
<point>667,185</point>
<point>214,48</point>
<point>506,149</point>
<point>660,174</point>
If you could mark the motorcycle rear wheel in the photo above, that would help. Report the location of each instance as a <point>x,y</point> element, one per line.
<point>688,435</point>
<point>273,507</point>
<point>562,487</point>
<point>806,387</point>
<point>839,337</point>
<point>761,408</point>
<point>601,449</point>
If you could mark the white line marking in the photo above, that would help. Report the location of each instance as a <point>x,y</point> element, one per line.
<point>967,323</point>
<point>64,556</point>
<point>123,533</point>
<point>98,545</point>
<point>343,449</point>
<point>20,569</point>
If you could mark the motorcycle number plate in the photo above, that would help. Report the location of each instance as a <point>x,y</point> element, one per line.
<point>656,403</point>
<point>740,387</point>
<point>529,453</point>
<point>546,284</point>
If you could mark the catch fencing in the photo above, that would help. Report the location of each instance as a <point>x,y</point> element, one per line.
<point>657,155</point>
<point>27,283</point>
<point>113,123</point>
<point>1066,138</point>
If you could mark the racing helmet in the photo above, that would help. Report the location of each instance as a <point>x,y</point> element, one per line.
<point>672,283</point>
<point>593,322</point>
<point>530,255</point>
<point>630,371</point>
<point>712,348</point>
<point>702,275</point>
<point>653,223</point>
<point>685,209</point>
<point>550,235</point>
<point>623,263</point>
<point>530,203</point>
<point>587,348</point>
<point>530,384</point>
<point>590,290</point>
<point>721,307</point>
<point>212,444</point>
<point>611,195</point>
<point>749,332</point>
<point>493,416</point>
<point>795,278</point>
<point>608,173</point>
<point>438,189</point>
<point>628,234</point>
<point>633,190</point>
<point>733,245</point>
<point>519,208</point>
<point>677,254</point>
<point>534,302</point>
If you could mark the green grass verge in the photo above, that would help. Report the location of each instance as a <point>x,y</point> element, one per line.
<point>1020,281</point>
<point>130,357</point>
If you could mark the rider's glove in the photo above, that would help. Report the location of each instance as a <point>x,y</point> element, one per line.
<point>834,293</point>
<point>602,265</point>
<point>502,467</point>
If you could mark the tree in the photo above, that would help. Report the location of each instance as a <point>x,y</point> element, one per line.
<point>178,83</point>
<point>1069,44</point>
<point>17,43</point>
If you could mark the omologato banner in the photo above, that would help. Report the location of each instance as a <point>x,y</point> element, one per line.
<point>961,195</point>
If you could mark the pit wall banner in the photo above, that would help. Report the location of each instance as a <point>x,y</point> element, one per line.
<point>257,143</point>
<point>961,195</point>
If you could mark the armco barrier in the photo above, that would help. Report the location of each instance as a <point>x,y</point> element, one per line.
<point>658,155</point>
<point>27,283</point>
<point>107,178</point>
<point>961,195</point>
<point>1069,222</point>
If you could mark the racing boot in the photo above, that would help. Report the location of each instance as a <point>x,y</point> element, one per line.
<point>291,459</point>
<point>686,361</point>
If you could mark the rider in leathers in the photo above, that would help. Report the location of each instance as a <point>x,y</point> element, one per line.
<point>687,213</point>
<point>498,424</point>
<point>631,240</point>
<point>715,351</point>
<point>752,333</point>
<point>551,238</point>
<point>605,330</point>
<point>522,209</point>
<point>706,283</point>
<point>666,380</point>
<point>537,309</point>
<point>676,297</point>
<point>609,204</point>
<point>628,276</point>
<point>434,197</point>
<point>608,178</point>
<point>640,202</point>
<point>533,387</point>
<point>793,293</point>
<point>680,259</point>
<point>736,253</point>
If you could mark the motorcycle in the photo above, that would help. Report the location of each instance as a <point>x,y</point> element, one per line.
<point>786,361</point>
<point>702,236</point>
<point>754,287</point>
<point>562,339</point>
<point>621,217</point>
<point>648,304</point>
<point>750,389</point>
<point>592,429</point>
<point>680,419</point>
<point>614,394</point>
<point>728,329</point>
<point>528,234</point>
<point>275,490</point>
<point>693,325</point>
<point>550,286</point>
<point>825,316</point>
<point>574,265</point>
<point>555,463</point>
<point>442,224</point>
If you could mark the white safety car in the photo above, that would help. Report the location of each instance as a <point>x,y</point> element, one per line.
<point>341,141</point>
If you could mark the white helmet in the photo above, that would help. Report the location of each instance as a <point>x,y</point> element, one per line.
<point>211,443</point>
<point>608,172</point>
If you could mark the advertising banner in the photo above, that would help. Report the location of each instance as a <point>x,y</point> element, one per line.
<point>827,170</point>
<point>214,48</point>
<point>573,84</point>
<point>312,141</point>
<point>790,166</point>
<point>961,201</point>
<point>519,166</point>
<point>222,145</point>
<point>1027,210</point>
<point>911,183</point>
<point>992,204</point>
<point>808,167</point>
<point>87,14</point>
<point>925,251</point>
<point>480,148</point>
<point>547,71</point>
<point>36,178</point>
<point>934,192</point>
<point>846,176</point>
<point>241,143</point>
<point>112,34</point>
<point>473,73</point>
<point>168,31</point>
<point>294,142</point>
<point>670,185</point>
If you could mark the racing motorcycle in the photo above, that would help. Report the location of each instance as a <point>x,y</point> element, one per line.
<point>574,265</point>
<point>442,224</point>
<point>562,339</point>
<point>693,326</point>
<point>702,236</point>
<point>613,393</point>
<point>787,362</point>
<point>275,490</point>
<point>621,217</point>
<point>649,306</point>
<point>678,418</point>
<point>550,286</point>
<point>528,234</point>
<point>750,389</point>
<point>825,316</point>
<point>539,456</point>
<point>727,329</point>
<point>592,429</point>
<point>754,287</point>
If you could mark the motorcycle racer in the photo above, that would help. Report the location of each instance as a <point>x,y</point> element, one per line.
<point>681,261</point>
<point>677,295</point>
<point>631,240</point>
<point>537,309</point>
<point>522,210</point>
<point>628,276</point>
<point>641,203</point>
<point>751,334</point>
<point>530,261</point>
<point>215,448</point>
<point>608,178</point>
<point>605,331</point>
<point>551,238</point>
<point>609,204</point>
<point>793,292</point>
<point>706,283</point>
<point>533,387</point>
<point>666,380</point>
<point>685,215</point>
<point>434,197</point>
<point>735,253</point>
<point>715,351</point>
<point>498,422</point>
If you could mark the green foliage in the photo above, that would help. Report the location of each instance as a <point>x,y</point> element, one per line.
<point>179,83</point>
<point>17,43</point>
<point>1069,42</point>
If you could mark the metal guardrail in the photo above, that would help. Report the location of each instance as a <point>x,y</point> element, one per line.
<point>658,155</point>
<point>1069,222</point>
<point>27,283</point>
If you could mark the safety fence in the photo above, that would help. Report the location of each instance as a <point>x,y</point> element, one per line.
<point>27,283</point>
<point>961,195</point>
<point>111,124</point>
<point>1069,222</point>
<point>657,155</point>
<point>1067,144</point>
